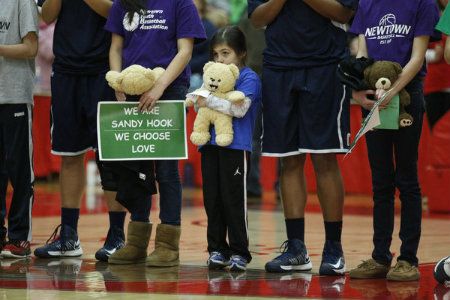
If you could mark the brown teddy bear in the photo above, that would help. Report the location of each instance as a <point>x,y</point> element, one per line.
<point>219,80</point>
<point>382,75</point>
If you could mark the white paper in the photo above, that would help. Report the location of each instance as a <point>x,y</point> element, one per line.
<point>201,93</point>
<point>371,121</point>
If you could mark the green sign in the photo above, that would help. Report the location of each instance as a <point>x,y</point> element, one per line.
<point>389,115</point>
<point>125,133</point>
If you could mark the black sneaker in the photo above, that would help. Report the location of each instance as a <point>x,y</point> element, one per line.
<point>114,241</point>
<point>217,261</point>
<point>238,263</point>
<point>294,257</point>
<point>66,244</point>
<point>333,262</point>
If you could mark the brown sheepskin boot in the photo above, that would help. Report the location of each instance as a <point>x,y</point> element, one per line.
<point>166,253</point>
<point>135,249</point>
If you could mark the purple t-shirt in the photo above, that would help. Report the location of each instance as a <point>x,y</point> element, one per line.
<point>391,26</point>
<point>150,40</point>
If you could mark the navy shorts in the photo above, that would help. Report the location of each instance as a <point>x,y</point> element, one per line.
<point>74,111</point>
<point>304,111</point>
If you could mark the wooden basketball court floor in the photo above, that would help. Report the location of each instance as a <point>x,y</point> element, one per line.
<point>85,278</point>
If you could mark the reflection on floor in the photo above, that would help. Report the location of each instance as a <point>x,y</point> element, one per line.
<point>86,275</point>
<point>85,278</point>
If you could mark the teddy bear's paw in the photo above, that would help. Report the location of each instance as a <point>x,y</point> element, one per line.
<point>405,122</point>
<point>200,138</point>
<point>236,97</point>
<point>189,102</point>
<point>112,77</point>
<point>224,139</point>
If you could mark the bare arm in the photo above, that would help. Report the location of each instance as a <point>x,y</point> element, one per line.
<point>413,66</point>
<point>115,59</point>
<point>101,7</point>
<point>361,96</point>
<point>266,13</point>
<point>447,50</point>
<point>50,10</point>
<point>362,47</point>
<point>115,53</point>
<point>27,49</point>
<point>331,9</point>
<point>176,66</point>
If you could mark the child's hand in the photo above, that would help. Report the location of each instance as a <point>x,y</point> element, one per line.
<point>149,98</point>
<point>361,98</point>
<point>380,93</point>
<point>201,101</point>
<point>120,96</point>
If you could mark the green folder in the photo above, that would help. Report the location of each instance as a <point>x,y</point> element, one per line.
<point>389,115</point>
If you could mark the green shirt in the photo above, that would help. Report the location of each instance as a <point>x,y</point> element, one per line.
<point>444,22</point>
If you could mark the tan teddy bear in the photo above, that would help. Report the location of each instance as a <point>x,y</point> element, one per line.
<point>381,75</point>
<point>134,80</point>
<point>219,80</point>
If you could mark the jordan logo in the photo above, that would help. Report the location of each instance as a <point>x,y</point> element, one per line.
<point>237,172</point>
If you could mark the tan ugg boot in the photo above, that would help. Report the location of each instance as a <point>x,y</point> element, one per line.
<point>135,249</point>
<point>166,253</point>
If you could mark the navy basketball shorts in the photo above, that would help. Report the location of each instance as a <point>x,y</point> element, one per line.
<point>304,111</point>
<point>74,111</point>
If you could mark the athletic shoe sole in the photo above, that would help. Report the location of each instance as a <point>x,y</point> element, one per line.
<point>237,268</point>
<point>69,253</point>
<point>328,270</point>
<point>9,254</point>
<point>217,264</point>
<point>289,268</point>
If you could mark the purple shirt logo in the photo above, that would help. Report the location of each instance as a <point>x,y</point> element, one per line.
<point>387,30</point>
<point>147,20</point>
<point>131,26</point>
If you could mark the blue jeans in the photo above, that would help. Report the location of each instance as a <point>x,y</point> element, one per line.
<point>167,174</point>
<point>393,158</point>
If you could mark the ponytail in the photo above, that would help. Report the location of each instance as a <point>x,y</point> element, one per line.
<point>132,7</point>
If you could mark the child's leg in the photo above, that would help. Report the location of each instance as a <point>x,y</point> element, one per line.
<point>136,184</point>
<point>212,197</point>
<point>406,178</point>
<point>19,167</point>
<point>233,177</point>
<point>379,148</point>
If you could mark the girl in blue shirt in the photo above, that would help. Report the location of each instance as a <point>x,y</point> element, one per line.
<point>224,169</point>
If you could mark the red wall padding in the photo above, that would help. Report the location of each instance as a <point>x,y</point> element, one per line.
<point>434,158</point>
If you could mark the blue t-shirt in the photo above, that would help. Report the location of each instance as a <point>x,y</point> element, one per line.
<point>299,37</point>
<point>250,84</point>
<point>390,27</point>
<point>80,44</point>
<point>150,40</point>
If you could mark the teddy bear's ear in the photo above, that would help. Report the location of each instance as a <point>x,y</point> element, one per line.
<point>207,65</point>
<point>397,67</point>
<point>234,70</point>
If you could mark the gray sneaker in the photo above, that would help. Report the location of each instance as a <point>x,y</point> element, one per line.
<point>403,271</point>
<point>369,269</point>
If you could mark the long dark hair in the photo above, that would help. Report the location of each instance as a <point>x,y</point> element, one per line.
<point>133,6</point>
<point>233,37</point>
